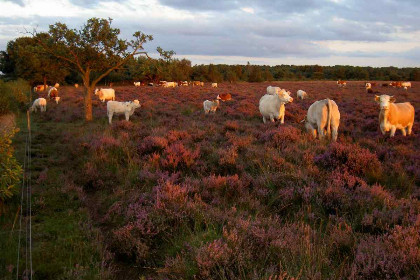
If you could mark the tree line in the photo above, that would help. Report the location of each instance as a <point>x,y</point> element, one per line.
<point>95,54</point>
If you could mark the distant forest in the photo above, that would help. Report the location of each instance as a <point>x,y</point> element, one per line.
<point>20,60</point>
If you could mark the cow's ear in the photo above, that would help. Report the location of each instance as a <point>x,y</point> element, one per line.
<point>392,99</point>
<point>377,98</point>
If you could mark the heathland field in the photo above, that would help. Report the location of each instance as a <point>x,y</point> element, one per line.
<point>177,194</point>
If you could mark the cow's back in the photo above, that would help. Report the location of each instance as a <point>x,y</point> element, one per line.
<point>401,113</point>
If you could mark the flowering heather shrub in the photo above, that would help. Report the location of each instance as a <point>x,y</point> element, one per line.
<point>228,156</point>
<point>177,156</point>
<point>239,141</point>
<point>213,257</point>
<point>152,144</point>
<point>231,125</point>
<point>355,159</point>
<point>282,136</point>
<point>176,135</point>
<point>104,142</point>
<point>341,240</point>
<point>391,256</point>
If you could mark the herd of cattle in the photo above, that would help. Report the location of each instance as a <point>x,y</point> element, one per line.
<point>322,118</point>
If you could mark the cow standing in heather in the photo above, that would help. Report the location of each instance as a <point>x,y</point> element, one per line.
<point>323,116</point>
<point>395,116</point>
<point>121,108</point>
<point>272,105</point>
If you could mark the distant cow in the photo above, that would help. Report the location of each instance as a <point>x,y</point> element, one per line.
<point>273,90</point>
<point>406,85</point>
<point>272,106</point>
<point>214,85</point>
<point>40,88</point>
<point>183,83</point>
<point>52,93</point>
<point>40,103</point>
<point>76,85</point>
<point>137,84</point>
<point>323,116</point>
<point>394,116</point>
<point>105,94</point>
<point>210,106</point>
<point>224,96</point>
<point>170,84</point>
<point>300,94</point>
<point>57,85</point>
<point>121,108</point>
<point>161,83</point>
<point>395,84</point>
<point>341,83</point>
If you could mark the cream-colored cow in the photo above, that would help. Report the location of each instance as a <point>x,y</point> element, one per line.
<point>322,117</point>
<point>394,116</point>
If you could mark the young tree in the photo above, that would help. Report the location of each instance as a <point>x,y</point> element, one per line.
<point>94,51</point>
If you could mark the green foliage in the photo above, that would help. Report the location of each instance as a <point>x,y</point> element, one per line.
<point>14,95</point>
<point>10,170</point>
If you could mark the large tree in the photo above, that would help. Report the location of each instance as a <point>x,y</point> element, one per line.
<point>94,51</point>
<point>24,59</point>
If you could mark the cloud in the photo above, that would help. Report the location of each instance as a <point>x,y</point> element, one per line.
<point>306,30</point>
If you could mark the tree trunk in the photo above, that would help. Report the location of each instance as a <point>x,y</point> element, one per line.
<point>88,97</point>
<point>45,82</point>
<point>88,103</point>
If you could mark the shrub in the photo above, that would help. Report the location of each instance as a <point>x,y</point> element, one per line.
<point>10,170</point>
<point>13,95</point>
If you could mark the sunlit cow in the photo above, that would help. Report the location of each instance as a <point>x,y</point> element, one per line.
<point>273,90</point>
<point>121,108</point>
<point>105,94</point>
<point>224,96</point>
<point>210,106</point>
<point>300,94</point>
<point>322,117</point>
<point>137,84</point>
<point>394,116</point>
<point>272,105</point>
<point>214,85</point>
<point>40,103</point>
<point>341,83</point>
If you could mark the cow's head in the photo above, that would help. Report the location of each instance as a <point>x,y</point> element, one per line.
<point>136,104</point>
<point>384,101</point>
<point>97,91</point>
<point>285,96</point>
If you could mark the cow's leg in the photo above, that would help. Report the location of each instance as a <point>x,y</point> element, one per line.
<point>271,118</point>
<point>320,132</point>
<point>110,118</point>
<point>409,127</point>
<point>264,120</point>
<point>403,131</point>
<point>313,133</point>
<point>334,134</point>
<point>393,129</point>
<point>127,116</point>
<point>282,119</point>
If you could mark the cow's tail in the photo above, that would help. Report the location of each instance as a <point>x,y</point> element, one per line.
<point>329,108</point>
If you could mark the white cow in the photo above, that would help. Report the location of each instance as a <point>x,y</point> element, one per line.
<point>211,106</point>
<point>105,94</point>
<point>120,108</point>
<point>40,103</point>
<point>272,106</point>
<point>170,84</point>
<point>368,85</point>
<point>323,115</point>
<point>56,85</point>
<point>394,116</point>
<point>273,90</point>
<point>301,94</point>
<point>213,85</point>
<point>406,85</point>
<point>137,84</point>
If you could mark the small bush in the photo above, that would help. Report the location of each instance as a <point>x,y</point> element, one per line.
<point>13,96</point>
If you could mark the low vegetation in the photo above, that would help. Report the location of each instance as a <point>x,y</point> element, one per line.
<point>177,194</point>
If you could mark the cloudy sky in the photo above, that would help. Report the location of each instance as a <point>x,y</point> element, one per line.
<point>325,32</point>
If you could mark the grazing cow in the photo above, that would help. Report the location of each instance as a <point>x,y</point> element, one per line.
<point>57,98</point>
<point>368,85</point>
<point>394,116</point>
<point>52,93</point>
<point>105,94</point>
<point>40,103</point>
<point>406,85</point>
<point>183,83</point>
<point>224,97</point>
<point>137,84</point>
<point>213,85</point>
<point>396,84</point>
<point>40,88</point>
<point>57,85</point>
<point>150,84</point>
<point>76,85</point>
<point>170,84</point>
<point>273,90</point>
<point>341,83</point>
<point>161,83</point>
<point>210,106</point>
<point>121,108</point>
<point>272,106</point>
<point>196,83</point>
<point>322,117</point>
<point>202,84</point>
<point>301,94</point>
